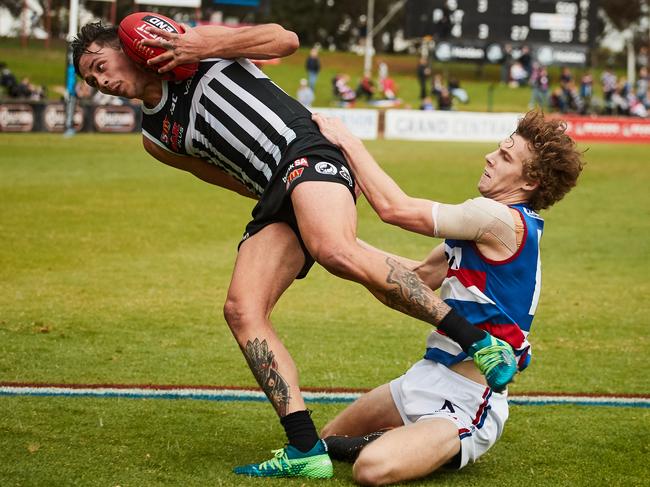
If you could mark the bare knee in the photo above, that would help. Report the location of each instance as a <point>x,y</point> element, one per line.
<point>338,259</point>
<point>372,468</point>
<point>240,316</point>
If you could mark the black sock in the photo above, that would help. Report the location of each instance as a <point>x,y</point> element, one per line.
<point>300,430</point>
<point>460,330</point>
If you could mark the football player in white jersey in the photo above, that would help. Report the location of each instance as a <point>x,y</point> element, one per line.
<point>441,411</point>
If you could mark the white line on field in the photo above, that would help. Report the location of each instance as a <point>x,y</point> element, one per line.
<point>240,394</point>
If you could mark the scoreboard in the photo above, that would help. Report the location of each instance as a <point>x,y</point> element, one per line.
<point>558,32</point>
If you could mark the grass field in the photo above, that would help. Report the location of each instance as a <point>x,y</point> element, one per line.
<point>114,268</point>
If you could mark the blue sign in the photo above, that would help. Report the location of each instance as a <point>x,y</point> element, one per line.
<point>244,3</point>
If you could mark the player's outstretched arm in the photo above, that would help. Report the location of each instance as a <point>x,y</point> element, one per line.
<point>197,167</point>
<point>265,41</point>
<point>384,195</point>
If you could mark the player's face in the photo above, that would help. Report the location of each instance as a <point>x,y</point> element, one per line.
<point>111,72</point>
<point>503,178</point>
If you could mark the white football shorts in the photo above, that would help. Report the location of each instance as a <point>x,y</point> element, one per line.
<point>431,390</point>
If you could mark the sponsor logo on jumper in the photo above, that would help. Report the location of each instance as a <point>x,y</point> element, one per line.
<point>326,168</point>
<point>164,136</point>
<point>531,213</point>
<point>346,175</point>
<point>188,83</point>
<point>177,136</point>
<point>173,105</point>
<point>294,174</point>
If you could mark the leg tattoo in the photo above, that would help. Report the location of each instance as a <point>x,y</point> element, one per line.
<point>262,363</point>
<point>412,296</point>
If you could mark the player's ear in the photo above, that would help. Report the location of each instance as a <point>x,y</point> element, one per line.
<point>530,185</point>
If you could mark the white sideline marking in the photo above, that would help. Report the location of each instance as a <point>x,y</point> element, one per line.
<point>224,394</point>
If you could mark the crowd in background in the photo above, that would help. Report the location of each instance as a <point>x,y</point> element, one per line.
<point>25,90</point>
<point>575,94</point>
<point>382,93</point>
<point>572,93</point>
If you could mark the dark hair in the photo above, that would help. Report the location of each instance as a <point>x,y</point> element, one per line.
<point>556,163</point>
<point>103,35</point>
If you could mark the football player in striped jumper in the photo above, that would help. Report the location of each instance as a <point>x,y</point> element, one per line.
<point>231,126</point>
<point>441,412</point>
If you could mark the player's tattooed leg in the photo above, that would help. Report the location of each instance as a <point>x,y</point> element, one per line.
<point>411,295</point>
<point>262,363</point>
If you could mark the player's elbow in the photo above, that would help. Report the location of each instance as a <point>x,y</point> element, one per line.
<point>391,212</point>
<point>290,42</point>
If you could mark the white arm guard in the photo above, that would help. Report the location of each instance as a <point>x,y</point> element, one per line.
<point>476,219</point>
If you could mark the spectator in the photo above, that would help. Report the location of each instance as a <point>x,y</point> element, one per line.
<point>518,75</point>
<point>444,100</point>
<point>342,90</point>
<point>526,61</point>
<point>572,97</point>
<point>642,85</point>
<point>456,91</point>
<point>587,86</point>
<point>638,109</point>
<point>608,83</point>
<point>305,94</point>
<point>382,73</point>
<point>22,89</point>
<point>437,84</point>
<point>620,101</point>
<point>84,92</point>
<point>557,100</point>
<point>366,87</point>
<point>7,79</point>
<point>423,73</point>
<point>389,89</point>
<point>427,103</point>
<point>540,84</point>
<point>566,77</point>
<point>312,66</point>
<point>506,63</point>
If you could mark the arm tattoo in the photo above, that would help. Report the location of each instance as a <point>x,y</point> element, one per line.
<point>262,363</point>
<point>411,296</point>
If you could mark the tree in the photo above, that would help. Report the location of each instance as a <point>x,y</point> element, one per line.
<point>329,22</point>
<point>623,13</point>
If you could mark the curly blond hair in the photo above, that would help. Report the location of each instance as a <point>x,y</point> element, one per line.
<point>556,162</point>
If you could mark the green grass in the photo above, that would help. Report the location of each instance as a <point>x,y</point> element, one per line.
<point>114,268</point>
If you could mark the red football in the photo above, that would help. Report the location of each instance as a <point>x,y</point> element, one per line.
<point>133,29</point>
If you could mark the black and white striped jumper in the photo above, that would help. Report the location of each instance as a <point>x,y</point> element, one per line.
<point>232,115</point>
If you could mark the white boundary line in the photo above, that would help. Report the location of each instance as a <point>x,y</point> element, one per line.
<point>218,394</point>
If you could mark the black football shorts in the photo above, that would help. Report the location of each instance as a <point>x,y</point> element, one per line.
<point>319,161</point>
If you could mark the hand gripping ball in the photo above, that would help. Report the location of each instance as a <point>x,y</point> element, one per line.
<point>133,29</point>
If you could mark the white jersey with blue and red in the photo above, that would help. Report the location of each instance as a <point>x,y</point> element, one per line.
<point>499,297</point>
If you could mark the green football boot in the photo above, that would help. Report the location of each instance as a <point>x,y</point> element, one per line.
<point>496,361</point>
<point>291,462</point>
